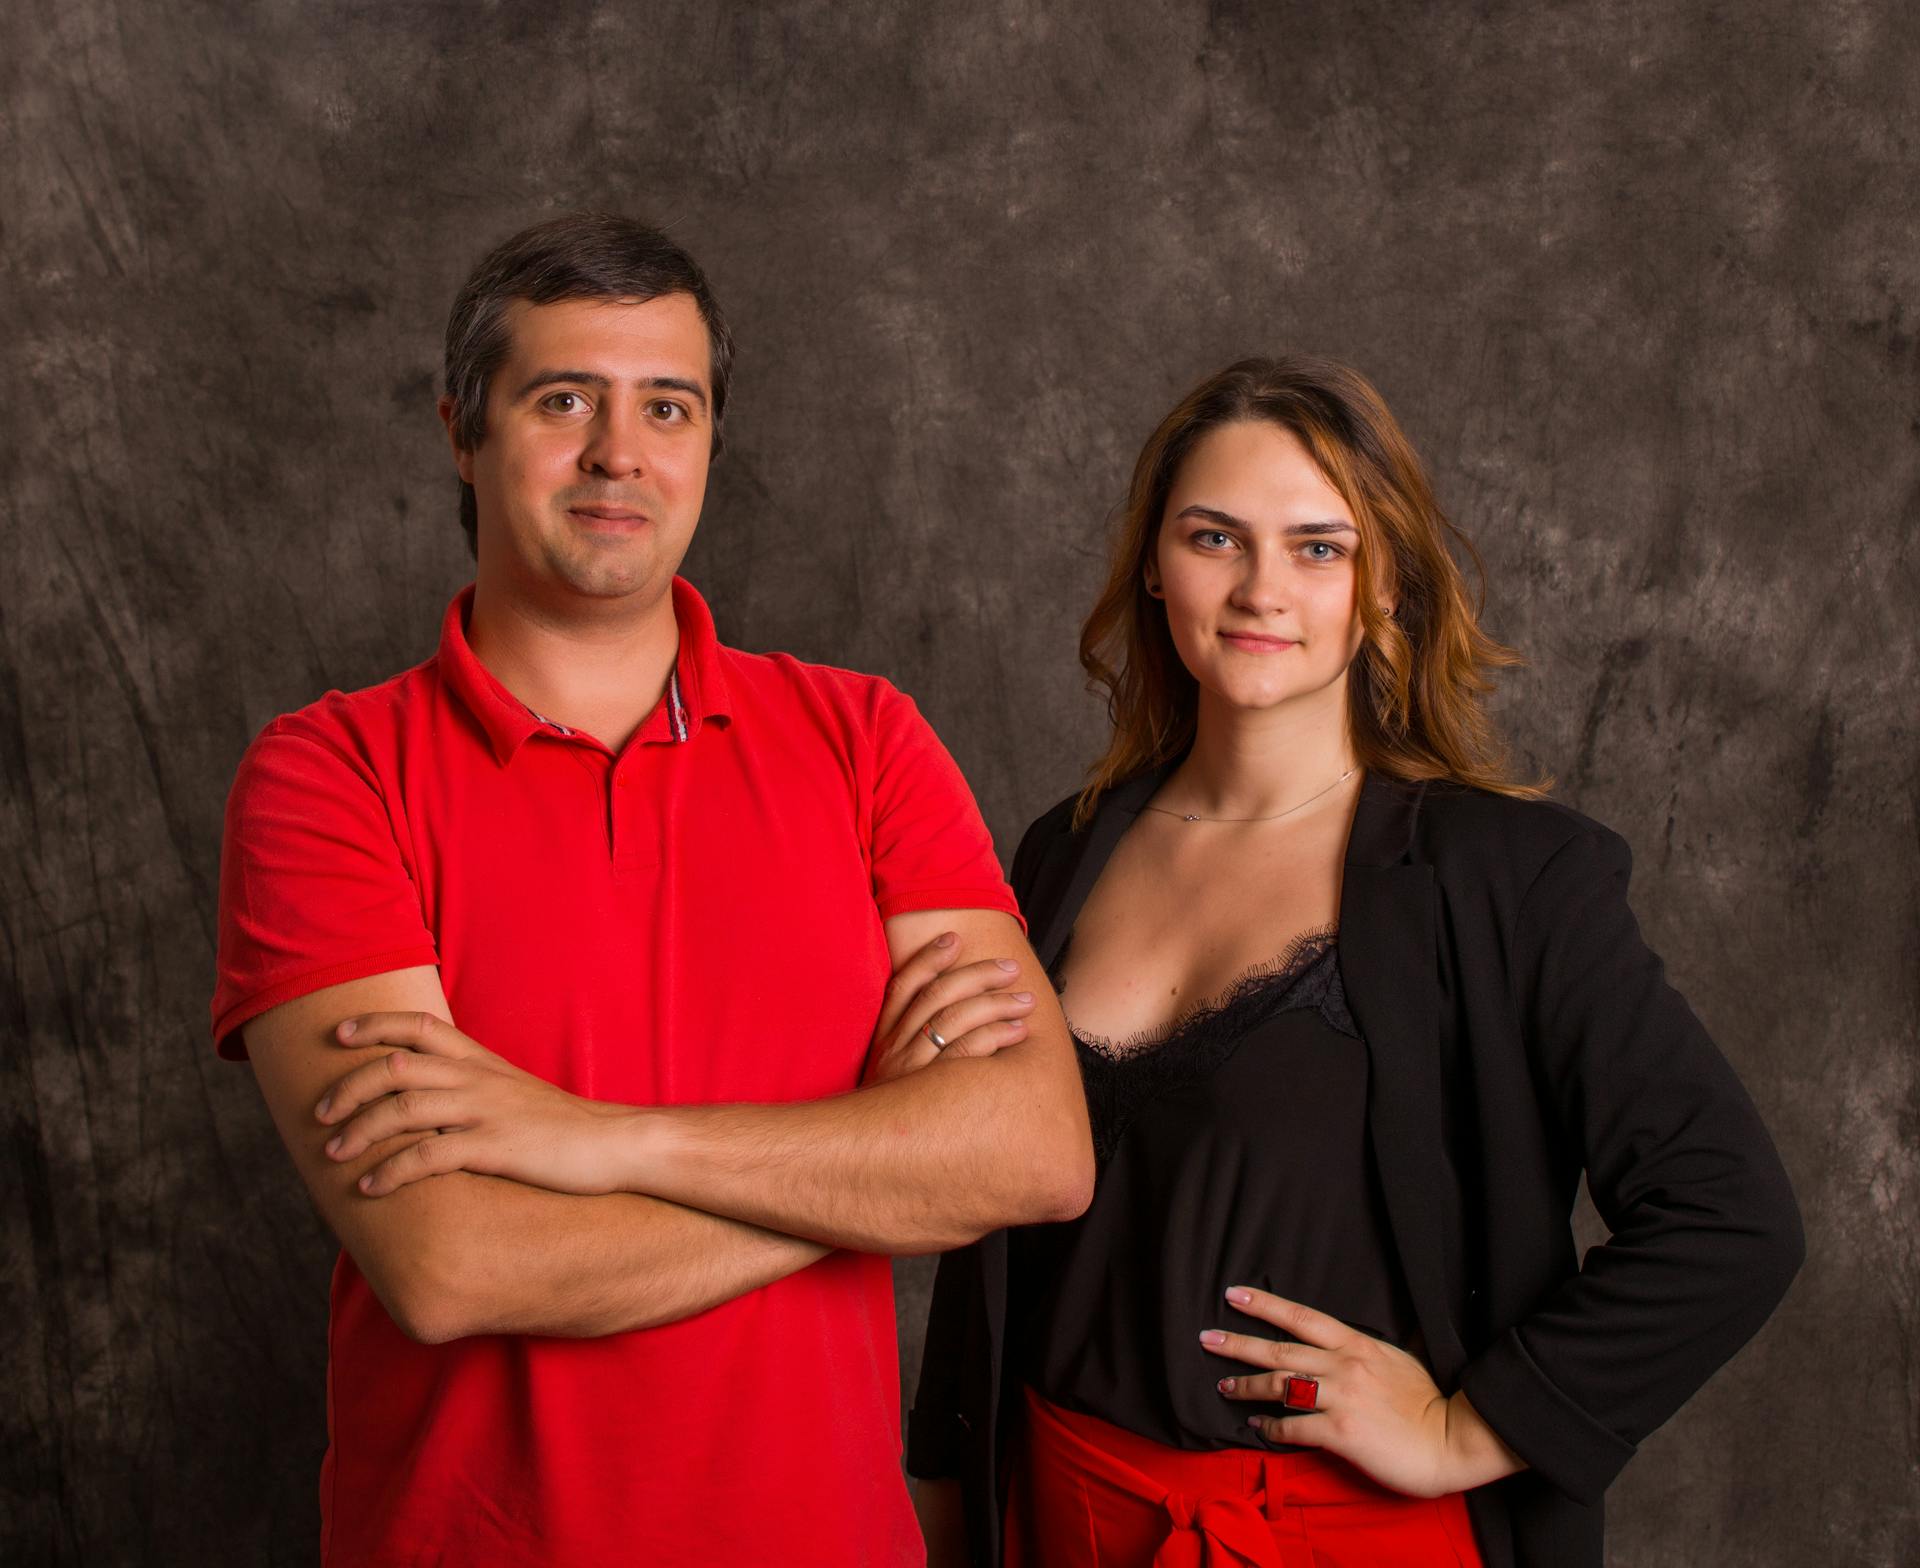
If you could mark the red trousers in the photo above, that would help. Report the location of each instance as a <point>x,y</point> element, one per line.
<point>1087,1494</point>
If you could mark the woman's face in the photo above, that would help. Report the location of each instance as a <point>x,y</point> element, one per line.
<point>1255,561</point>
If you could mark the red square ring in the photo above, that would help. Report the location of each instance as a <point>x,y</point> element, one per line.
<point>1300,1393</point>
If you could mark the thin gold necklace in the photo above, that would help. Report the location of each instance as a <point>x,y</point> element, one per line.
<point>1189,816</point>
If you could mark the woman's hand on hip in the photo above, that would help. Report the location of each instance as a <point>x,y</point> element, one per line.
<point>492,1118</point>
<point>936,1008</point>
<point>1376,1406</point>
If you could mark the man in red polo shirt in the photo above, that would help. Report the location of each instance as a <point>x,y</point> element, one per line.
<point>613,1284</point>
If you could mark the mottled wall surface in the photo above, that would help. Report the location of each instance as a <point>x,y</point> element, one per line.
<point>1640,276</point>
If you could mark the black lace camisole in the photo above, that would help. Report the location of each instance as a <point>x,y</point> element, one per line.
<point>1232,1150</point>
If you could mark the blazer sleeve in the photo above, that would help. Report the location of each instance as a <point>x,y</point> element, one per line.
<point>956,1365</point>
<point>1705,1233</point>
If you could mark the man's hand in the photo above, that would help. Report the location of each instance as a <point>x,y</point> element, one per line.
<point>969,1008</point>
<point>993,1134</point>
<point>493,1118</point>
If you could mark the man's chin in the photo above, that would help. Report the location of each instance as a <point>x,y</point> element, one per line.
<point>605,578</point>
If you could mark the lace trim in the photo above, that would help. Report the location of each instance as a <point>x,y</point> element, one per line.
<point>1297,956</point>
<point>1123,1077</point>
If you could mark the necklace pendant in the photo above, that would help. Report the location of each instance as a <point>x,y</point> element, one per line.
<point>1191,817</point>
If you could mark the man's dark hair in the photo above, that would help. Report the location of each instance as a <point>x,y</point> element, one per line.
<point>582,255</point>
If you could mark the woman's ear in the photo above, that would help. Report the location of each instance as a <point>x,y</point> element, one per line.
<point>1151,577</point>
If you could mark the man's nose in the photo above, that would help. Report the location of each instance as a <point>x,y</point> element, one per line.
<point>616,443</point>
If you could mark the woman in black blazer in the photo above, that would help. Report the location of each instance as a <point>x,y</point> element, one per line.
<point>1393,1108</point>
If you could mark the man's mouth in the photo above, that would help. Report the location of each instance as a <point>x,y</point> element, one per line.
<point>602,514</point>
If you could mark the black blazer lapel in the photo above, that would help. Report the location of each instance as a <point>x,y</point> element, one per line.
<point>1387,961</point>
<point>1089,849</point>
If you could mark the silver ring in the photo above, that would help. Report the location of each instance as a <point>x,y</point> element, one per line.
<point>938,1043</point>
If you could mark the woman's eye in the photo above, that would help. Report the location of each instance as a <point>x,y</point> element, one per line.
<point>1320,550</point>
<point>1213,539</point>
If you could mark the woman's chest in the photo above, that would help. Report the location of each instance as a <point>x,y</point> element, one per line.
<point>1171,924</point>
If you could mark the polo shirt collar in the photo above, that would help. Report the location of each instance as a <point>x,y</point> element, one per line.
<point>703,680</point>
<point>696,692</point>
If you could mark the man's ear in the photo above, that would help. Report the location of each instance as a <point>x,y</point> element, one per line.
<point>462,458</point>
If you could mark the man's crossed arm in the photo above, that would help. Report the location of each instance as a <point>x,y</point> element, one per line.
<point>671,1210</point>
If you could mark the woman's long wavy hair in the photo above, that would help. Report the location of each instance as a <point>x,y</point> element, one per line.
<point>1415,690</point>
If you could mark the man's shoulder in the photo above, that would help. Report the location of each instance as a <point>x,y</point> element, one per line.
<point>360,725</point>
<point>782,683</point>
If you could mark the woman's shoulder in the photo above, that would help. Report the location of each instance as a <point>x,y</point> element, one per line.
<point>1051,828</point>
<point>1055,822</point>
<point>1463,827</point>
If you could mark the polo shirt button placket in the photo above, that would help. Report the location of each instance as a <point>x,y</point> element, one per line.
<point>632,831</point>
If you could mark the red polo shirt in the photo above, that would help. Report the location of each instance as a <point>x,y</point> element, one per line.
<point>697,920</point>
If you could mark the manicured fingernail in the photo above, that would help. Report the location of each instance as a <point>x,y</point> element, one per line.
<point>1023,996</point>
<point>347,1028</point>
<point>1239,1295</point>
<point>365,1183</point>
<point>1225,1385</point>
<point>1254,1422</point>
<point>333,1144</point>
<point>1009,965</point>
<point>320,1110</point>
<point>944,939</point>
<point>1212,1336</point>
<point>1017,1027</point>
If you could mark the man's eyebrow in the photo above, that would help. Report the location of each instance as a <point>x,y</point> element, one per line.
<point>593,378</point>
<point>1329,525</point>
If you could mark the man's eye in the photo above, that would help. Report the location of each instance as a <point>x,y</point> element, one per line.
<point>562,402</point>
<point>665,411</point>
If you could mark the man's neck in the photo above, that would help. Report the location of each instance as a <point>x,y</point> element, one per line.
<point>600,673</point>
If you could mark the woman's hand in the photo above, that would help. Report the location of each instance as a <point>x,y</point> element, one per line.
<point>492,1118</point>
<point>969,1008</point>
<point>1377,1407</point>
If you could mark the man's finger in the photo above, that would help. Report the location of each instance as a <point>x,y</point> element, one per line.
<point>912,977</point>
<point>988,1038</point>
<point>428,1157</point>
<point>982,976</point>
<point>411,1110</point>
<point>416,1031</point>
<point>957,1019</point>
<point>388,1074</point>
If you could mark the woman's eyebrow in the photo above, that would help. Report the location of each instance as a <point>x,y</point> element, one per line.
<point>1328,525</point>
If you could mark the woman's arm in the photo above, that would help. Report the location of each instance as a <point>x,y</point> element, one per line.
<point>1706,1235</point>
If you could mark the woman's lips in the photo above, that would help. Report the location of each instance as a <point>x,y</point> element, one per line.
<point>1251,642</point>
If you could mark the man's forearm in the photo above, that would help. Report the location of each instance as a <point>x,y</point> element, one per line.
<point>464,1254</point>
<point>919,1164</point>
<point>497,1257</point>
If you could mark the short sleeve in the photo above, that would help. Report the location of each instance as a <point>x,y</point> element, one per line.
<point>931,850</point>
<point>314,890</point>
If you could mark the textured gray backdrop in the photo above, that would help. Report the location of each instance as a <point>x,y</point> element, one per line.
<point>1639,276</point>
